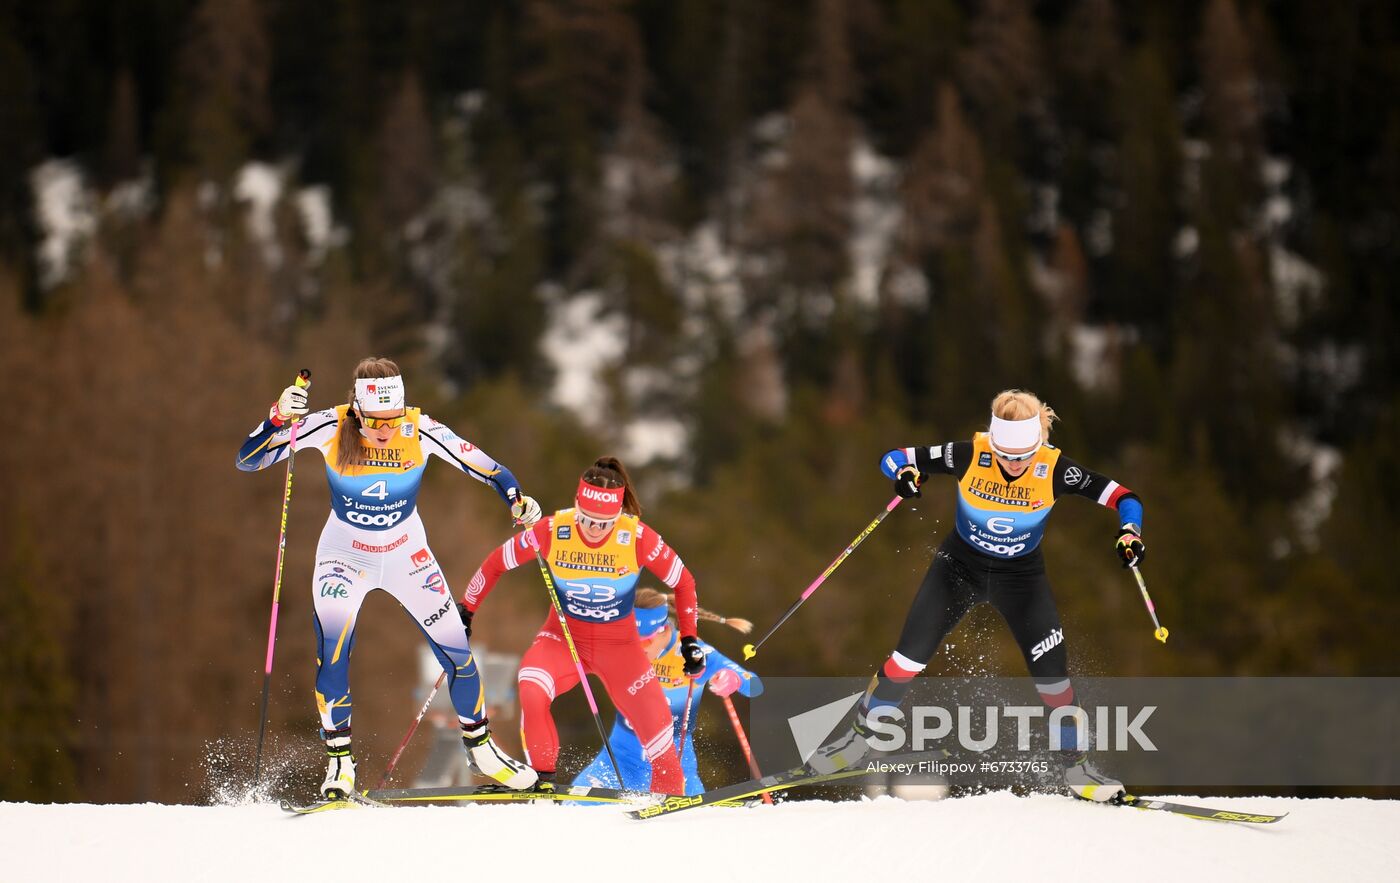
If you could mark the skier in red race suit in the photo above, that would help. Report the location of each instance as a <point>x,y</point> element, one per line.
<point>595,552</point>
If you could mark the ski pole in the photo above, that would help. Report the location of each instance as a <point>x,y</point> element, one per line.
<point>1161,632</point>
<point>685,721</point>
<point>304,381</point>
<point>412,728</point>
<point>744,744</point>
<point>573,652</point>
<point>751,649</point>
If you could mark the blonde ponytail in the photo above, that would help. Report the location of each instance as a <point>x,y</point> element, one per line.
<point>648,598</point>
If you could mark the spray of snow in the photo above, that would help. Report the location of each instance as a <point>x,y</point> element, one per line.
<point>66,212</point>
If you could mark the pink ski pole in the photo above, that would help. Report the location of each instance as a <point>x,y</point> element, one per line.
<point>303,380</point>
<point>750,650</point>
<point>412,728</point>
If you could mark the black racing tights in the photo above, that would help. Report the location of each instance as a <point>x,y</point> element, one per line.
<point>957,579</point>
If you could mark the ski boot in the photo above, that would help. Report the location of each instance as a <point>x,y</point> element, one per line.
<point>845,751</point>
<point>492,762</point>
<point>545,780</point>
<point>340,766</point>
<point>1086,782</point>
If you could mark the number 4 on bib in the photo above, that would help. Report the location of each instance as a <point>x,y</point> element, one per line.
<point>379,490</point>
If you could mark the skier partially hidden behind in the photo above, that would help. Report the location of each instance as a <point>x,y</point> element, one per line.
<point>595,553</point>
<point>656,626</point>
<point>1008,480</point>
<point>376,448</point>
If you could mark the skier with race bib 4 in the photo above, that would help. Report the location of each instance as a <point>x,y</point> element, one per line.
<point>376,448</point>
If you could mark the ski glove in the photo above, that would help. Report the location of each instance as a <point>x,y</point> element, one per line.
<point>694,656</point>
<point>907,481</point>
<point>291,405</point>
<point>466,616</point>
<point>1131,550</point>
<point>724,682</point>
<point>525,510</point>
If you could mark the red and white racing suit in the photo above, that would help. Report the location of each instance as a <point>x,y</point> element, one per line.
<point>595,586</point>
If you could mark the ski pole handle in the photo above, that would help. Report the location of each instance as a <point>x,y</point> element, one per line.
<point>1160,633</point>
<point>750,650</point>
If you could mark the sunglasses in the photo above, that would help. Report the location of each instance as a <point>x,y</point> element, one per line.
<point>383,422</point>
<point>1015,458</point>
<point>594,523</point>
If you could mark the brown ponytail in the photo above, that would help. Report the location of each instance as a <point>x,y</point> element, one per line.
<point>347,452</point>
<point>649,598</point>
<point>609,472</point>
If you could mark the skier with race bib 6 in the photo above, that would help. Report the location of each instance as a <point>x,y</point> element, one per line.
<point>1008,479</point>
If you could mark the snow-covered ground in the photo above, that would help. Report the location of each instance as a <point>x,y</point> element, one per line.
<point>986,838</point>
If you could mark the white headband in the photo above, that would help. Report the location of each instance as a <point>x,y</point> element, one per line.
<point>1009,434</point>
<point>379,393</point>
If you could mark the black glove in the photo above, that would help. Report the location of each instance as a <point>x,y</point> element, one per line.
<point>907,481</point>
<point>694,656</point>
<point>466,616</point>
<point>1131,550</point>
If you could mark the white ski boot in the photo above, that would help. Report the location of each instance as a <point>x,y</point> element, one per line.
<point>843,752</point>
<point>1086,782</point>
<point>340,766</point>
<point>494,763</point>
